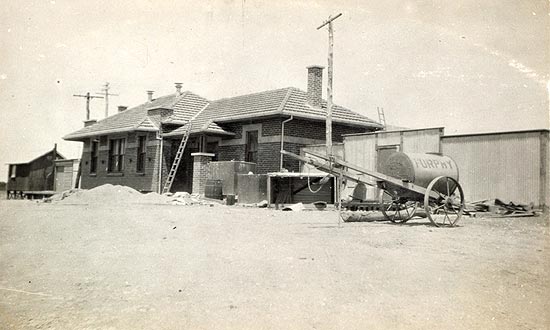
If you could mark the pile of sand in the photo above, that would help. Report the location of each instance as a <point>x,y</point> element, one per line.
<point>114,194</point>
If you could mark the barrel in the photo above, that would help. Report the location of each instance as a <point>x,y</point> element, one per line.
<point>420,169</point>
<point>213,189</point>
<point>230,200</point>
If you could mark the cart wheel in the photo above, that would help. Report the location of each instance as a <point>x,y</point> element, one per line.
<point>394,208</point>
<point>447,208</point>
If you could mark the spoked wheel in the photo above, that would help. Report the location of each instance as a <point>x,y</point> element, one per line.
<point>447,208</point>
<point>395,208</point>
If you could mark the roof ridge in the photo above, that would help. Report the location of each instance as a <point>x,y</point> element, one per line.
<point>137,107</point>
<point>41,155</point>
<point>199,112</point>
<point>250,94</point>
<point>325,101</point>
<point>141,122</point>
<point>178,98</point>
<point>285,100</point>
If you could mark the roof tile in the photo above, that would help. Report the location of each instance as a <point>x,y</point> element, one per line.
<point>183,106</point>
<point>284,101</point>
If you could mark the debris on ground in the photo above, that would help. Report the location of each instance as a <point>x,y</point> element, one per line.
<point>294,207</point>
<point>263,204</point>
<point>497,208</point>
<point>115,194</point>
<point>185,198</point>
<point>369,216</point>
<point>362,216</point>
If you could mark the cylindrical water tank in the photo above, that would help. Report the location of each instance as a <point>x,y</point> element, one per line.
<point>419,169</point>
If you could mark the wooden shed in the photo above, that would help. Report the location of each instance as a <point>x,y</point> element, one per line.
<point>35,178</point>
<point>66,174</point>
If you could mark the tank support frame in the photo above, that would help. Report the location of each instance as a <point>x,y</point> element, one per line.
<point>434,201</point>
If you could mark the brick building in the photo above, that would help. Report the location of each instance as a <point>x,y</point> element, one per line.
<point>136,147</point>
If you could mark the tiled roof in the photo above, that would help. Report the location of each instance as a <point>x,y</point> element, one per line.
<point>146,124</point>
<point>164,102</point>
<point>136,118</point>
<point>285,101</point>
<point>187,108</point>
<point>297,105</point>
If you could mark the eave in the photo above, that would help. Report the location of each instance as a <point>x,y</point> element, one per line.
<point>79,137</point>
<point>204,131</point>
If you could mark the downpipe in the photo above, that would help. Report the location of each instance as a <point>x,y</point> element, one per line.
<point>161,146</point>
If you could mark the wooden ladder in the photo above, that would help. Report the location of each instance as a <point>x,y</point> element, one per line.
<point>381,116</point>
<point>177,160</point>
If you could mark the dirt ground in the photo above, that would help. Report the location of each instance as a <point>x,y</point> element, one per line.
<point>199,267</point>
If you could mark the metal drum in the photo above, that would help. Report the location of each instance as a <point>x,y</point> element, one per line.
<point>421,169</point>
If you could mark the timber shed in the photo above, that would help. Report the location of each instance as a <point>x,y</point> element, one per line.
<point>34,178</point>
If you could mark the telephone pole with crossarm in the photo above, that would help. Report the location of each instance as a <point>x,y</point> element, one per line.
<point>329,82</point>
<point>88,98</point>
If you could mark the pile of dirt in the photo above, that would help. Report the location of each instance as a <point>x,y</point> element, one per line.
<point>115,194</point>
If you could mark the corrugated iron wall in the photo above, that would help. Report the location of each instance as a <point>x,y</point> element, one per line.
<point>512,166</point>
<point>422,140</point>
<point>505,166</point>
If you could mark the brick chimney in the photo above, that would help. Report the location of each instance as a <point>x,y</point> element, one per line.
<point>122,108</point>
<point>89,122</point>
<point>314,85</point>
<point>150,96</point>
<point>178,88</point>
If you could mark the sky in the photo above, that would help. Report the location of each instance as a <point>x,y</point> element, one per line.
<point>467,65</point>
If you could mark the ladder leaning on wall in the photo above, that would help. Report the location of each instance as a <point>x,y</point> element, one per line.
<point>177,160</point>
<point>381,116</point>
<point>174,169</point>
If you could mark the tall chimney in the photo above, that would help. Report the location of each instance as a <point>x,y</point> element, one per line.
<point>315,85</point>
<point>178,88</point>
<point>122,108</point>
<point>150,96</point>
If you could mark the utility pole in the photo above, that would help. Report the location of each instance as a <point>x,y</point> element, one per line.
<point>88,98</point>
<point>105,91</point>
<point>329,83</point>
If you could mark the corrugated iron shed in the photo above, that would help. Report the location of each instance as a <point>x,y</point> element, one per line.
<point>511,166</point>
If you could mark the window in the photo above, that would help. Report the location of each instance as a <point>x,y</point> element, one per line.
<point>13,169</point>
<point>93,157</point>
<point>251,146</point>
<point>116,155</point>
<point>142,147</point>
